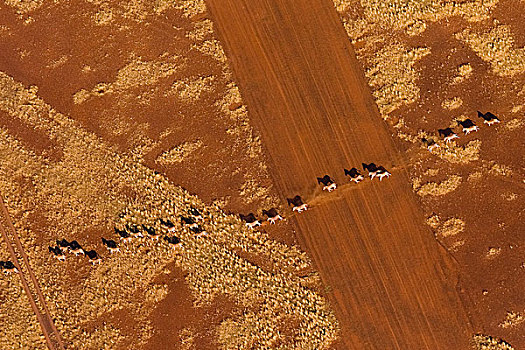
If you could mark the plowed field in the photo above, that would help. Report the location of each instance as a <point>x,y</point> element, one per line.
<point>392,284</point>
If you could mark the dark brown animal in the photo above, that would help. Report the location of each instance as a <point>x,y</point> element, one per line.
<point>198,230</point>
<point>297,204</point>
<point>8,267</point>
<point>195,213</point>
<point>173,240</point>
<point>94,258</point>
<point>188,221</point>
<point>468,126</point>
<point>123,234</point>
<point>151,231</point>
<point>272,215</point>
<point>63,243</point>
<point>329,184</point>
<point>448,134</point>
<point>354,174</point>
<point>250,220</point>
<point>58,253</point>
<point>371,168</point>
<point>111,245</point>
<point>489,118</point>
<point>75,248</point>
<point>429,143</point>
<point>134,230</point>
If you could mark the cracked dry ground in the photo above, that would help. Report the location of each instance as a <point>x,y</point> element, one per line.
<point>82,86</point>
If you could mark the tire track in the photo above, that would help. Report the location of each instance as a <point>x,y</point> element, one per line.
<point>51,334</point>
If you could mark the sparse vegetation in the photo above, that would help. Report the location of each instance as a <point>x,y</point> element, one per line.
<point>497,47</point>
<point>512,319</point>
<point>464,72</point>
<point>485,342</point>
<point>452,103</point>
<point>452,227</point>
<point>441,188</point>
<point>179,153</point>
<point>395,84</point>
<point>460,154</point>
<point>190,90</point>
<point>63,189</point>
<point>134,74</point>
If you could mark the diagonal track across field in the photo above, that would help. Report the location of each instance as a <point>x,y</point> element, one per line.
<point>393,286</point>
<point>36,298</point>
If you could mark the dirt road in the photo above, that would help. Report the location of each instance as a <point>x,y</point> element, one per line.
<point>392,285</point>
<point>51,334</point>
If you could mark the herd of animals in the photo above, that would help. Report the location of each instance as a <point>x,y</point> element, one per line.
<point>130,232</point>
<point>373,170</point>
<point>468,126</point>
<point>191,221</point>
<point>328,185</point>
<point>125,235</point>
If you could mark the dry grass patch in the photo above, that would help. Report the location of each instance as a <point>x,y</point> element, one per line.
<point>493,252</point>
<point>416,28</point>
<point>156,293</point>
<point>497,47</point>
<point>514,124</point>
<point>431,172</point>
<point>104,15</point>
<point>212,48</point>
<point>135,10</point>
<point>24,6</point>
<point>105,337</point>
<point>187,339</point>
<point>475,176</point>
<point>500,170</point>
<point>439,189</point>
<point>201,30</point>
<point>84,190</point>
<point>232,107</point>
<point>452,103</point>
<point>252,191</point>
<point>433,221</point>
<point>452,227</point>
<point>459,154</point>
<point>509,196</point>
<point>486,342</point>
<point>399,14</point>
<point>191,8</point>
<point>179,153</point>
<point>464,72</point>
<point>134,74</point>
<point>408,15</point>
<point>19,324</point>
<point>454,247</point>
<point>416,183</point>
<point>190,90</point>
<point>393,77</point>
<point>512,319</point>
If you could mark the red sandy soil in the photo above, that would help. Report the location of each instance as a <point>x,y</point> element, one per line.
<point>491,207</point>
<point>493,286</point>
<point>392,285</point>
<point>66,29</point>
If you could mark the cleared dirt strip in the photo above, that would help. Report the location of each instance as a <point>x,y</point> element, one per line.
<point>51,334</point>
<point>392,285</point>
